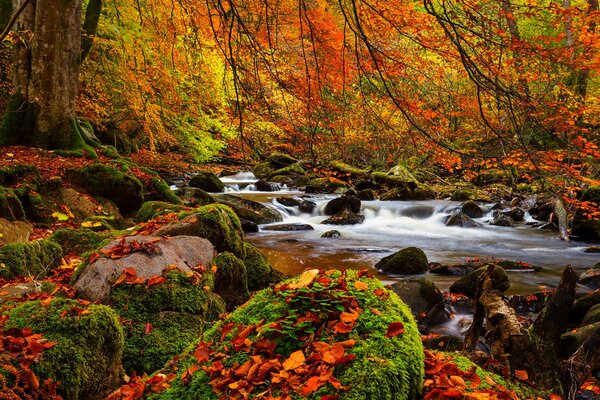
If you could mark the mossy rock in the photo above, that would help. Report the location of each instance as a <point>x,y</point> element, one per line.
<point>260,273</point>
<point>408,261</point>
<point>177,311</point>
<point>14,174</point>
<point>194,197</point>
<point>463,195</point>
<point>592,316</point>
<point>263,170</point>
<point>37,208</point>
<point>86,359</point>
<point>420,192</point>
<point>250,210</point>
<point>152,209</point>
<point>582,306</point>
<point>215,222</point>
<point>467,285</point>
<point>281,160</point>
<point>402,173</point>
<point>325,185</point>
<point>591,194</point>
<point>35,258</point>
<point>158,190</point>
<point>231,280</point>
<point>77,241</point>
<point>10,205</point>
<point>207,181</point>
<point>379,366</point>
<point>102,180</point>
<point>291,170</point>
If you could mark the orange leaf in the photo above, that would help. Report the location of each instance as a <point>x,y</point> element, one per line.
<point>341,327</point>
<point>395,329</point>
<point>295,360</point>
<point>349,318</point>
<point>156,280</point>
<point>361,286</point>
<point>521,375</point>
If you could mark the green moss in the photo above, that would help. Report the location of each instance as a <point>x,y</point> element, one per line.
<point>260,273</point>
<point>35,258</point>
<point>290,170</point>
<point>207,181</point>
<point>408,261</point>
<point>263,170</point>
<point>420,192</point>
<point>177,311</point>
<point>110,152</point>
<point>231,280</point>
<point>325,185</point>
<point>77,241</point>
<point>158,190</point>
<point>152,209</point>
<point>10,205</point>
<point>384,368</point>
<point>279,160</point>
<point>70,153</point>
<point>87,356</point>
<point>463,195</point>
<point>13,174</point>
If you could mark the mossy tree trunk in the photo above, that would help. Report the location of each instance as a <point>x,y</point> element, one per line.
<point>41,109</point>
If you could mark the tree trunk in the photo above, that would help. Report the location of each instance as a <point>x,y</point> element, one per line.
<point>41,110</point>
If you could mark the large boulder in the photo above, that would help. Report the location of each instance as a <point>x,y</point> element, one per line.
<point>37,258</point>
<point>289,227</point>
<point>342,203</point>
<point>467,285</point>
<point>231,280</point>
<point>345,218</point>
<point>85,360</point>
<point>345,327</point>
<point>207,181</point>
<point>250,210</point>
<point>147,256</point>
<point>281,160</point>
<point>471,209</point>
<point>408,261</point>
<point>106,181</point>
<point>215,222</point>
<point>325,185</point>
<point>193,197</point>
<point>402,173</point>
<point>152,209</point>
<point>424,299</point>
<point>260,273</point>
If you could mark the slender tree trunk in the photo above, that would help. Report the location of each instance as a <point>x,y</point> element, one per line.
<point>41,110</point>
<point>90,26</point>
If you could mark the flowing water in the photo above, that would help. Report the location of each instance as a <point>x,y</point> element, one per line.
<point>392,225</point>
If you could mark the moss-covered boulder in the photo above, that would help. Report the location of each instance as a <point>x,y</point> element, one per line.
<point>324,334</point>
<point>86,359</point>
<point>582,306</point>
<point>36,258</point>
<point>263,170</point>
<point>260,273</point>
<point>325,185</point>
<point>14,174</point>
<point>408,261</point>
<point>215,222</point>
<point>152,209</point>
<point>463,195</point>
<point>10,205</point>
<point>591,194</point>
<point>103,180</point>
<point>419,192</point>
<point>281,160</point>
<point>207,181</point>
<point>156,189</point>
<point>401,172</point>
<point>250,210</point>
<point>231,280</point>
<point>77,241</point>
<point>163,318</point>
<point>592,316</point>
<point>467,285</point>
<point>194,197</point>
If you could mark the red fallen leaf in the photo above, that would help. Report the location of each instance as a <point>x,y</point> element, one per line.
<point>312,384</point>
<point>295,360</point>
<point>156,280</point>
<point>555,397</point>
<point>341,327</point>
<point>475,381</point>
<point>348,343</point>
<point>202,352</point>
<point>187,374</point>
<point>148,328</point>
<point>30,378</point>
<point>444,394</point>
<point>330,397</point>
<point>240,339</point>
<point>63,314</point>
<point>349,318</point>
<point>379,292</point>
<point>521,375</point>
<point>395,329</point>
<point>34,347</point>
<point>93,258</point>
<point>324,281</point>
<point>50,386</point>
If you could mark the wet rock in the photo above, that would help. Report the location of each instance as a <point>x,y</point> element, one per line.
<point>502,220</point>
<point>288,201</point>
<point>443,343</point>
<point>418,212</point>
<point>264,186</point>
<point>450,269</point>
<point>249,226</point>
<point>307,206</point>
<point>516,214</point>
<point>250,210</point>
<point>467,285</point>
<point>16,231</point>
<point>592,249</point>
<point>419,192</point>
<point>528,303</point>
<point>324,185</point>
<point>471,209</point>
<point>289,227</point>
<point>592,316</point>
<point>331,234</point>
<point>528,203</point>
<point>423,298</point>
<point>263,170</point>
<point>458,218</point>
<point>542,210</point>
<point>97,279</point>
<point>367,195</point>
<point>207,181</point>
<point>345,218</point>
<point>193,197</point>
<point>408,261</point>
<point>571,341</point>
<point>582,306</point>
<point>342,203</point>
<point>365,184</point>
<point>463,195</point>
<point>590,278</point>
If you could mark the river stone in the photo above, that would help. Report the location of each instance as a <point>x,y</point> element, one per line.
<point>471,209</point>
<point>450,269</point>
<point>423,298</point>
<point>592,316</point>
<point>193,197</point>
<point>250,210</point>
<point>502,220</point>
<point>571,341</point>
<point>367,195</point>
<point>420,192</point>
<point>458,218</point>
<point>248,226</point>
<point>345,218</point>
<point>289,227</point>
<point>185,252</point>
<point>516,214</point>
<point>408,261</point>
<point>590,278</point>
<point>207,181</point>
<point>582,305</point>
<point>528,203</point>
<point>418,212</point>
<point>333,234</point>
<point>264,186</point>
<point>13,232</point>
<point>467,285</point>
<point>592,249</point>
<point>342,203</point>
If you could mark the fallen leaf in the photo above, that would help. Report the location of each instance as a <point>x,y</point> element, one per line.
<point>295,360</point>
<point>521,375</point>
<point>361,286</point>
<point>148,328</point>
<point>395,329</point>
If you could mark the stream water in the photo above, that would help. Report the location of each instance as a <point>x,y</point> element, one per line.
<point>392,225</point>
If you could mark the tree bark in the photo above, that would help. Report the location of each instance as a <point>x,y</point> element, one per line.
<point>90,26</point>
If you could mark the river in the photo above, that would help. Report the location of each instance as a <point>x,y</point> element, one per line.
<point>392,225</point>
